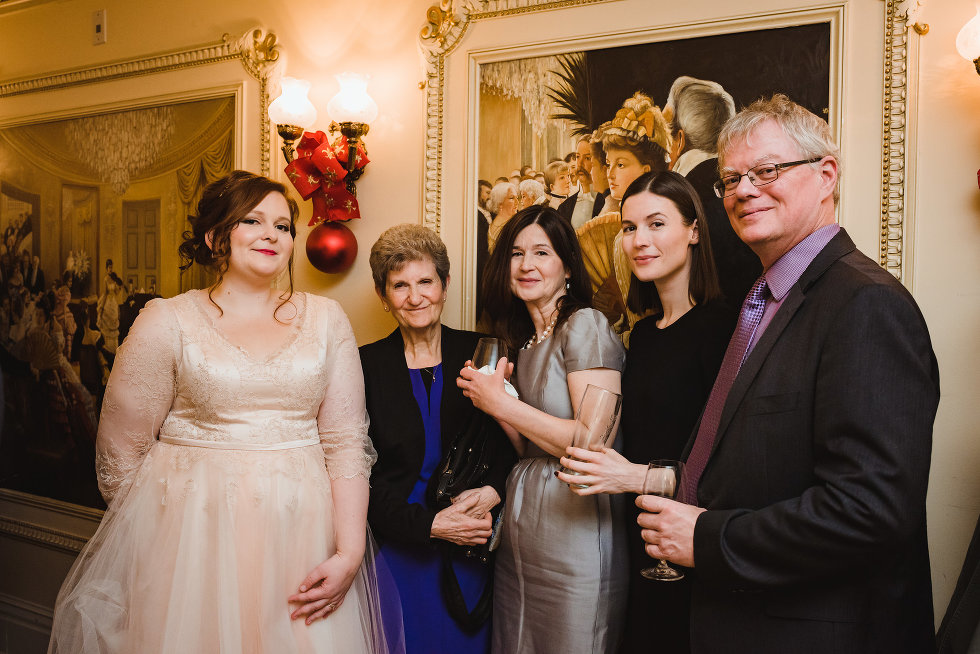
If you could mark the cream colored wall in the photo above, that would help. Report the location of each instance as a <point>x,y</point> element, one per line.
<point>946,279</point>
<point>946,237</point>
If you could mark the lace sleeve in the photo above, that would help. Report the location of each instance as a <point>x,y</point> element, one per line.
<point>342,417</point>
<point>138,397</point>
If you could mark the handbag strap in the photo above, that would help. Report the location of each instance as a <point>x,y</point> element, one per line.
<point>470,621</point>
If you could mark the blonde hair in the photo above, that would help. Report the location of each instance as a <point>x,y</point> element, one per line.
<point>640,127</point>
<point>806,130</point>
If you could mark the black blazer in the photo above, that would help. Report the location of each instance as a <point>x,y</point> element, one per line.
<point>815,534</point>
<point>399,436</point>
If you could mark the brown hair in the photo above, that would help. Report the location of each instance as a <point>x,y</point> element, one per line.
<point>405,243</point>
<point>703,282</point>
<point>508,316</point>
<point>224,203</point>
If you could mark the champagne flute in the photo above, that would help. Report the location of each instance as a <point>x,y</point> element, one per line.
<point>488,352</point>
<point>595,421</point>
<point>663,478</point>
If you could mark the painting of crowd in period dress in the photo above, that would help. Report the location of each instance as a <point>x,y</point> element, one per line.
<point>571,131</point>
<point>92,209</point>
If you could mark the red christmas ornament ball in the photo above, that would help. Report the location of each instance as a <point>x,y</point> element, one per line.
<point>331,247</point>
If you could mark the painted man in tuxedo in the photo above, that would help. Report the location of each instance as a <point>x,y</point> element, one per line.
<point>697,109</point>
<point>578,208</point>
<point>806,478</point>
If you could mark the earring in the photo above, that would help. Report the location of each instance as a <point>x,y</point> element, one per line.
<point>386,307</point>
<point>568,285</point>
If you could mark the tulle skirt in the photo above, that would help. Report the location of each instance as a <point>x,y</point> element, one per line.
<point>201,554</point>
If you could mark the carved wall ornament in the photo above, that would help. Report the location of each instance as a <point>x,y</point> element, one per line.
<point>900,15</point>
<point>445,26</point>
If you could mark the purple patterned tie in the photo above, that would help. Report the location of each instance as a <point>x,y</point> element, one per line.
<point>752,310</point>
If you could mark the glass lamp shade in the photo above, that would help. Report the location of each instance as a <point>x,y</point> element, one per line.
<point>968,40</point>
<point>292,107</point>
<point>352,104</point>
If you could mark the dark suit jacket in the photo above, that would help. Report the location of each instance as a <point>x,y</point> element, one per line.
<point>815,534</point>
<point>399,436</point>
<point>567,206</point>
<point>34,279</point>
<point>737,265</point>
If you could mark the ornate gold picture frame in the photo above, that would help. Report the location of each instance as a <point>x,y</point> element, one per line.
<point>869,87</point>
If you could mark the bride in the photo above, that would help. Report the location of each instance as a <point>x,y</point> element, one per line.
<point>234,458</point>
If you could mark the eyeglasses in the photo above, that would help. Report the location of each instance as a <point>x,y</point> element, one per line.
<point>760,175</point>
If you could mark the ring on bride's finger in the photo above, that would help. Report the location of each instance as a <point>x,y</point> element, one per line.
<point>330,607</point>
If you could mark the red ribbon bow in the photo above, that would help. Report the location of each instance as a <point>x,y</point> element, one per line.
<point>318,172</point>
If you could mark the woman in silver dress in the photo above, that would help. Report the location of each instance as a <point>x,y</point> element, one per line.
<point>560,578</point>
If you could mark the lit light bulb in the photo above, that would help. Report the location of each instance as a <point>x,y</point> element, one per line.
<point>968,40</point>
<point>352,104</point>
<point>293,107</point>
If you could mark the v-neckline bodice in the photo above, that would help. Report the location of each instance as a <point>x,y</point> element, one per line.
<point>295,329</point>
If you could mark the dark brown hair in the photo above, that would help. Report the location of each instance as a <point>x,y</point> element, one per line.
<point>703,283</point>
<point>507,316</point>
<point>224,203</point>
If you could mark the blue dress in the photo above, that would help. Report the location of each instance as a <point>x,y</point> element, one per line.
<point>429,629</point>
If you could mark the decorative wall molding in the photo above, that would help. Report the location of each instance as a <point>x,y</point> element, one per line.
<point>56,525</point>
<point>257,51</point>
<point>31,615</point>
<point>895,163</point>
<point>55,539</point>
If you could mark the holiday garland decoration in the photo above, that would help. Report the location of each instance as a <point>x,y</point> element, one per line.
<point>319,171</point>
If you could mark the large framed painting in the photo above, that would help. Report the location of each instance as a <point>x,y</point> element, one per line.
<point>99,170</point>
<point>492,65</point>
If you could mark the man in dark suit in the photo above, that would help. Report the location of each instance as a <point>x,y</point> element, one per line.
<point>697,110</point>
<point>34,276</point>
<point>806,478</point>
<point>578,207</point>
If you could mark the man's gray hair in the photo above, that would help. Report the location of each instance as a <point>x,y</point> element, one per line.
<point>806,130</point>
<point>534,188</point>
<point>699,107</point>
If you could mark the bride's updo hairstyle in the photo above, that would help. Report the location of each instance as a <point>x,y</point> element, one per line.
<point>224,203</point>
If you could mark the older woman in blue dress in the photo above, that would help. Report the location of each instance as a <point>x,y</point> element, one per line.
<point>560,582</point>
<point>416,410</point>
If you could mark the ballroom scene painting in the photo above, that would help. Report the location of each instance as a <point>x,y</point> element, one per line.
<point>92,208</point>
<point>548,124</point>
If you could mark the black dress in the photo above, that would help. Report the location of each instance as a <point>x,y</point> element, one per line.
<point>668,377</point>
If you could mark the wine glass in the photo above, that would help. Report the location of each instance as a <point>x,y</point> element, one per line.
<point>595,421</point>
<point>488,352</point>
<point>663,478</point>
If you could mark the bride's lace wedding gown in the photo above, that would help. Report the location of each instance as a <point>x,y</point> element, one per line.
<point>217,469</point>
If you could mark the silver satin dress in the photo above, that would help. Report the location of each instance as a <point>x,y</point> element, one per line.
<point>561,569</point>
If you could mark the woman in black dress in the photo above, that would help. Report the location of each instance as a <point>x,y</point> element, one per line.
<point>675,353</point>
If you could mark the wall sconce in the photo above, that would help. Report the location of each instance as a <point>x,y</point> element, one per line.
<point>968,41</point>
<point>324,170</point>
<point>290,111</point>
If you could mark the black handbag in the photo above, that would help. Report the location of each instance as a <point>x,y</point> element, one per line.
<point>465,466</point>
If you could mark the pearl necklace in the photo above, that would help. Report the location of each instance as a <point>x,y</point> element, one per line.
<point>535,339</point>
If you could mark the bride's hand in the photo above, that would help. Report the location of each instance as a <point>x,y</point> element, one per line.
<point>324,589</point>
